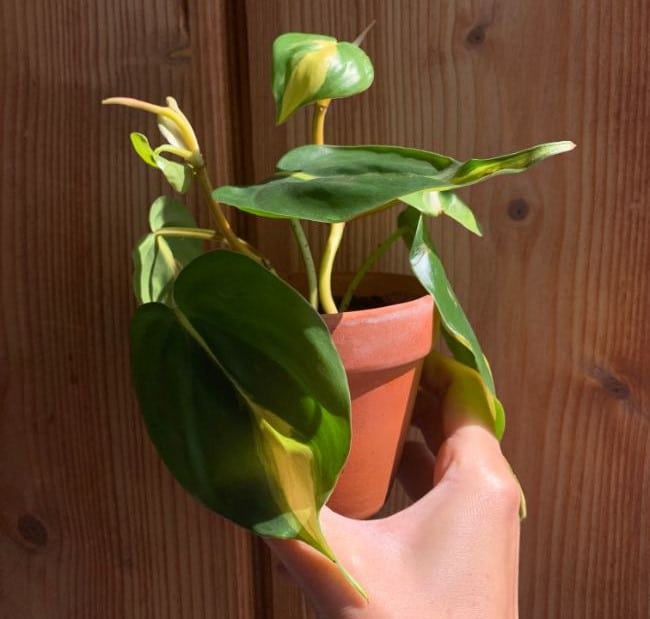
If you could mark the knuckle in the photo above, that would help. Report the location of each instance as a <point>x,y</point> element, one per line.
<point>502,492</point>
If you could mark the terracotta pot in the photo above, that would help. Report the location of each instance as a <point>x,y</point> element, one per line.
<point>382,350</point>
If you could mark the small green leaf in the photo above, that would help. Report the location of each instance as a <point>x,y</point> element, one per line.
<point>312,67</point>
<point>157,260</point>
<point>178,175</point>
<point>426,201</point>
<point>251,416</point>
<point>454,207</point>
<point>141,146</point>
<point>433,203</point>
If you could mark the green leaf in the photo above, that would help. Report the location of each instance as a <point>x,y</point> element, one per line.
<point>178,175</point>
<point>426,201</point>
<point>330,199</point>
<point>454,207</point>
<point>157,260</point>
<point>244,395</point>
<point>339,183</point>
<point>433,203</point>
<point>353,160</point>
<point>141,146</point>
<point>449,173</point>
<point>475,170</point>
<point>455,327</point>
<point>313,67</point>
<point>458,332</point>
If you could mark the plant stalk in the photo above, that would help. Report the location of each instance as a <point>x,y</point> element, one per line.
<point>368,263</point>
<point>307,258</point>
<point>336,229</point>
<point>203,234</point>
<point>326,266</point>
<point>318,122</point>
<point>233,241</point>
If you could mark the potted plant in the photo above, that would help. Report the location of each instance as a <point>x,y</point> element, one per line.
<point>240,383</point>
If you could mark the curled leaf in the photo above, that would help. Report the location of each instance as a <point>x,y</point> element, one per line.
<point>312,67</point>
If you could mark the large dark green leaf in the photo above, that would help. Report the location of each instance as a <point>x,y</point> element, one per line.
<point>244,395</point>
<point>158,259</point>
<point>329,199</point>
<point>353,160</point>
<point>339,183</point>
<point>458,332</point>
<point>313,67</point>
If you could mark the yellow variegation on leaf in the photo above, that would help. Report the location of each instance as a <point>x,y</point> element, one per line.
<point>311,67</point>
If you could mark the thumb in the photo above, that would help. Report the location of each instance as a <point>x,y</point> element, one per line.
<point>462,393</point>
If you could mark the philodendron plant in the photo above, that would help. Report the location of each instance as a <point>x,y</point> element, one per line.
<point>240,386</point>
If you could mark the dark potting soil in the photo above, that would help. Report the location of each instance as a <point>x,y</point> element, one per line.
<point>374,301</point>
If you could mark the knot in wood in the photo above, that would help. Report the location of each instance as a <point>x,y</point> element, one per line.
<point>32,530</point>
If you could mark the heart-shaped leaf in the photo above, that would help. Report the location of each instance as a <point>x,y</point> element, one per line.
<point>313,67</point>
<point>458,332</point>
<point>339,183</point>
<point>244,395</point>
<point>158,259</point>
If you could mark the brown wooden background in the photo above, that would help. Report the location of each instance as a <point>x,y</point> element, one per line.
<point>91,524</point>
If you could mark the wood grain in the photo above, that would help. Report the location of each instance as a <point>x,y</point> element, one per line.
<point>91,524</point>
<point>558,288</point>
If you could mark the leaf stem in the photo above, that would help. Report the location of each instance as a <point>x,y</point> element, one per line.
<point>233,241</point>
<point>167,255</point>
<point>183,153</point>
<point>379,251</point>
<point>307,258</point>
<point>204,234</point>
<point>336,229</point>
<point>318,122</point>
<point>327,262</point>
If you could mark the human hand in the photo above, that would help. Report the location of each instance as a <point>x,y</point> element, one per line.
<point>453,553</point>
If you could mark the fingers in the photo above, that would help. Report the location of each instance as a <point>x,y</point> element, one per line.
<point>320,578</point>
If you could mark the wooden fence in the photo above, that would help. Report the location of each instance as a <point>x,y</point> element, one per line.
<point>91,524</point>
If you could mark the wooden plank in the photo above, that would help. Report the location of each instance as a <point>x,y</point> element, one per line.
<point>91,523</point>
<point>558,288</point>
